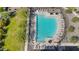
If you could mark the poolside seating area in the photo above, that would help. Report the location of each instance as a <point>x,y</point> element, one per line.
<point>37,46</point>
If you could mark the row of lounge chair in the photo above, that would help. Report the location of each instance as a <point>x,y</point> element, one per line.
<point>60,30</point>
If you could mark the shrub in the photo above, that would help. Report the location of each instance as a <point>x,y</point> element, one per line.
<point>77,11</point>
<point>2,23</point>
<point>12,14</point>
<point>74,39</point>
<point>1,9</point>
<point>71,29</point>
<point>70,9</point>
<point>1,43</point>
<point>75,19</point>
<point>2,34</point>
<point>1,49</point>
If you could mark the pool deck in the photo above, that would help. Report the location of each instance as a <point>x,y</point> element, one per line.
<point>58,36</point>
<point>63,38</point>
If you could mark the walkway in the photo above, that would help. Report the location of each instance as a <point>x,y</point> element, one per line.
<point>70,16</point>
<point>26,41</point>
<point>75,14</point>
<point>69,44</point>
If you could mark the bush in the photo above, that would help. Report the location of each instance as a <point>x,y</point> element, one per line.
<point>2,23</point>
<point>1,43</point>
<point>75,19</point>
<point>71,29</point>
<point>70,9</point>
<point>1,9</point>
<point>12,14</point>
<point>6,18</point>
<point>74,39</point>
<point>2,34</point>
<point>5,49</point>
<point>77,11</point>
<point>1,49</point>
<point>5,15</point>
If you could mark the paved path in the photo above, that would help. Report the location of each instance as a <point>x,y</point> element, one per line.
<point>70,16</point>
<point>75,14</point>
<point>69,44</point>
<point>26,41</point>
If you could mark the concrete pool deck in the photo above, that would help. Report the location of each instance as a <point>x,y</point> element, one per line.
<point>59,33</point>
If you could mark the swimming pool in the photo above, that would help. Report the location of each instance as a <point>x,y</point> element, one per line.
<point>45,27</point>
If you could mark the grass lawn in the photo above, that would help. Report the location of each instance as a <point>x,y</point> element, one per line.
<point>16,34</point>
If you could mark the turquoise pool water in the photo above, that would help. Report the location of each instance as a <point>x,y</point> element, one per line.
<point>45,27</point>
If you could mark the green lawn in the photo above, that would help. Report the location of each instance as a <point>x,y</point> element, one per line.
<point>15,38</point>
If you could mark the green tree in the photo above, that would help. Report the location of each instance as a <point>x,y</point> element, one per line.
<point>2,34</point>
<point>70,9</point>
<point>75,19</point>
<point>1,9</point>
<point>12,14</point>
<point>2,23</point>
<point>77,11</point>
<point>71,29</point>
<point>74,39</point>
<point>5,18</point>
